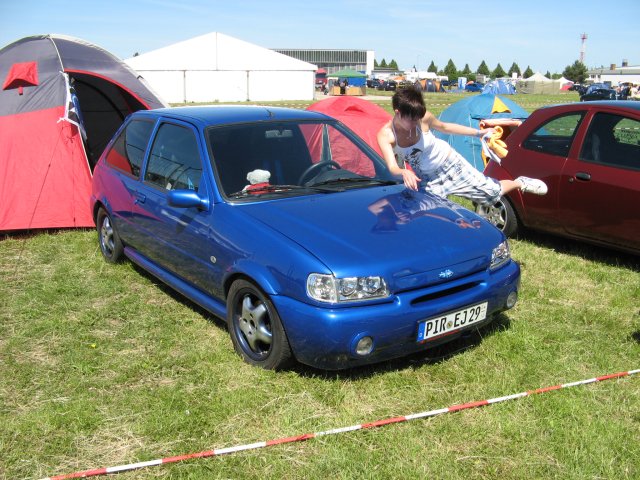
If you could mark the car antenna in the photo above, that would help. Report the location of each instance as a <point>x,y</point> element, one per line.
<point>271,114</point>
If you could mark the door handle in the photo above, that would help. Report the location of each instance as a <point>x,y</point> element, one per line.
<point>584,176</point>
<point>140,197</point>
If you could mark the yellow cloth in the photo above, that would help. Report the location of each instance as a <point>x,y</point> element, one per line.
<point>496,144</point>
<point>493,148</point>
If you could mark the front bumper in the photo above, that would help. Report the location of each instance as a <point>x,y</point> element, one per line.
<point>326,337</point>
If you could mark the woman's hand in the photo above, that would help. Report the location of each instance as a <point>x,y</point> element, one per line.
<point>410,179</point>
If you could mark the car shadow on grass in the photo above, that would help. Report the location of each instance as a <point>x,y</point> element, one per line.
<point>584,250</point>
<point>430,356</point>
<point>180,298</point>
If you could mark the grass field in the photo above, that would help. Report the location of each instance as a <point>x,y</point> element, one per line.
<point>100,365</point>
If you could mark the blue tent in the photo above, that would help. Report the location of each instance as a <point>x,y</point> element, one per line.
<point>499,87</point>
<point>469,112</point>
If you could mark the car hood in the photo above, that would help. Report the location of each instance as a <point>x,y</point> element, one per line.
<point>409,237</point>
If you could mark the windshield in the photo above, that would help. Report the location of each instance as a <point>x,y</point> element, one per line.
<point>294,156</point>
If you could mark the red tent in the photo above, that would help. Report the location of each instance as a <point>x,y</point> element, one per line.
<point>61,101</point>
<point>362,116</point>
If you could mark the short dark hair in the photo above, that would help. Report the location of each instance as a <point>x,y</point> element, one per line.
<point>409,102</point>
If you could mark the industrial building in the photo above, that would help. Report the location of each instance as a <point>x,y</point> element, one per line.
<point>333,60</point>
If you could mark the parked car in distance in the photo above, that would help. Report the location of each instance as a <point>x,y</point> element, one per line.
<point>588,154</point>
<point>598,91</point>
<point>577,87</point>
<point>373,82</point>
<point>388,85</point>
<point>286,224</point>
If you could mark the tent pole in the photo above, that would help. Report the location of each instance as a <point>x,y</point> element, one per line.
<point>184,86</point>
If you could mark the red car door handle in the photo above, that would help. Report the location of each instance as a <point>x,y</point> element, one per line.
<point>582,176</point>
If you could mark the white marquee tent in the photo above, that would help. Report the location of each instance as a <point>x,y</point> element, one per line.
<point>216,67</point>
<point>538,83</point>
<point>538,77</point>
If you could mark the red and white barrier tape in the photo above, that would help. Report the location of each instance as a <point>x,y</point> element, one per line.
<point>308,436</point>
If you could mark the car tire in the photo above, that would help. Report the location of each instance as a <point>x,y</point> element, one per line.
<point>255,328</point>
<point>502,215</point>
<point>110,244</point>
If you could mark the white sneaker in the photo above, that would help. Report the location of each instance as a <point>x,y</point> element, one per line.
<point>532,185</point>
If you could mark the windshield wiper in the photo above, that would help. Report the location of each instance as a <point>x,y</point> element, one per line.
<point>343,180</point>
<point>277,189</point>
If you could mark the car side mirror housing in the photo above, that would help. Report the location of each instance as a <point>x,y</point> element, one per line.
<point>187,199</point>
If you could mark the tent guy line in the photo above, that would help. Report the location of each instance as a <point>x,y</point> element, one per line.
<point>309,436</point>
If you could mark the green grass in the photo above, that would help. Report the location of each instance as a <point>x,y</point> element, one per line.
<point>100,365</point>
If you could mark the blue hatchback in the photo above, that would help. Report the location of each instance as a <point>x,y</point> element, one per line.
<point>291,228</point>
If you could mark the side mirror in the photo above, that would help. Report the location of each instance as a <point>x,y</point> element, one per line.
<point>187,199</point>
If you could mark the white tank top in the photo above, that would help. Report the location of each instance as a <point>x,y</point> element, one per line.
<point>424,156</point>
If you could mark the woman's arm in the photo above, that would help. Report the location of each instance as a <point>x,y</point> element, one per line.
<point>453,128</point>
<point>385,142</point>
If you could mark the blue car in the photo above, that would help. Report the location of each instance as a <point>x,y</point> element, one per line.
<point>290,227</point>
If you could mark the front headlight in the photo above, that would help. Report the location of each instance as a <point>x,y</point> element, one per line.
<point>327,288</point>
<point>500,255</point>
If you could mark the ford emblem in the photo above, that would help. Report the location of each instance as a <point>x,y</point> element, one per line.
<point>446,274</point>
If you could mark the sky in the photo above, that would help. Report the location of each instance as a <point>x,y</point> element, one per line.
<point>544,35</point>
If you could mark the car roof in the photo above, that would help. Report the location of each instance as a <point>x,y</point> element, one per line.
<point>207,115</point>
<point>620,104</point>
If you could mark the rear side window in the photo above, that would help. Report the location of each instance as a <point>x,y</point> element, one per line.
<point>555,136</point>
<point>127,152</point>
<point>612,140</point>
<point>174,162</point>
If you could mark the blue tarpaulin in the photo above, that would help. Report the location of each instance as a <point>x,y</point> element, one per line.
<point>499,87</point>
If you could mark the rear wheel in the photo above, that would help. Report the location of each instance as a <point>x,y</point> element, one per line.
<point>108,238</point>
<point>255,327</point>
<point>502,215</point>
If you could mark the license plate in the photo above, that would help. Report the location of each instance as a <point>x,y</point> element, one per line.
<point>444,324</point>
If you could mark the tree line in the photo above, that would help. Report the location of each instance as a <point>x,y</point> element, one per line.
<point>577,72</point>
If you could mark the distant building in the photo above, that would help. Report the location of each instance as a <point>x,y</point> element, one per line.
<point>333,60</point>
<point>614,74</point>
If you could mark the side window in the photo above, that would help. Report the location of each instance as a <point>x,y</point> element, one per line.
<point>127,152</point>
<point>555,136</point>
<point>174,162</point>
<point>612,140</point>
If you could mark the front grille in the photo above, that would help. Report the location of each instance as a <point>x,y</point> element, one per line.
<point>445,292</point>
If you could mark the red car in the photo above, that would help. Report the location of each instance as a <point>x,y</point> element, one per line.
<point>588,154</point>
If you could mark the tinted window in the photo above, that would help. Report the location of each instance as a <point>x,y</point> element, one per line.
<point>127,152</point>
<point>555,136</point>
<point>174,162</point>
<point>612,140</point>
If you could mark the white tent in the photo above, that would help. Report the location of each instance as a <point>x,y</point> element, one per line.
<point>537,77</point>
<point>537,83</point>
<point>563,81</point>
<point>218,68</point>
